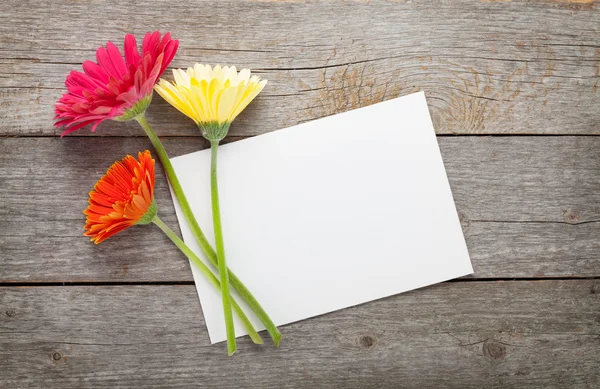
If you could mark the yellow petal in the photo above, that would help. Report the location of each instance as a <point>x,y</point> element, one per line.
<point>202,72</point>
<point>217,74</point>
<point>244,76</point>
<point>249,95</point>
<point>226,104</point>
<point>174,97</point>
<point>213,95</point>
<point>200,92</point>
<point>181,78</point>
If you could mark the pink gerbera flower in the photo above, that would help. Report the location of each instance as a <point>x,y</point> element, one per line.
<point>114,88</point>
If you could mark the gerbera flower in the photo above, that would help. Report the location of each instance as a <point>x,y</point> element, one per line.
<point>114,87</point>
<point>212,97</point>
<point>123,197</point>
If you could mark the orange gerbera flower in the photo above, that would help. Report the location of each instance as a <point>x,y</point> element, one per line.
<point>122,198</point>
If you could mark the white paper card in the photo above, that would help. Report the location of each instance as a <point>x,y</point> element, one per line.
<point>328,214</point>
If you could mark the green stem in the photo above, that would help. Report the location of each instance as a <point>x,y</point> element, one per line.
<point>210,253</point>
<point>216,213</point>
<point>209,275</point>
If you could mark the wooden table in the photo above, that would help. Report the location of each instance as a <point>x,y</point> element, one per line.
<point>513,89</point>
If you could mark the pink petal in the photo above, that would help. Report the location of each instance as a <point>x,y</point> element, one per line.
<point>130,98</point>
<point>96,125</point>
<point>132,56</point>
<point>75,128</point>
<point>138,80</point>
<point>103,59</point>
<point>169,52</point>
<point>93,70</point>
<point>101,110</point>
<point>148,43</point>
<point>116,58</point>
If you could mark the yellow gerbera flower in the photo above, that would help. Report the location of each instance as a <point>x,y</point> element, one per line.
<point>212,97</point>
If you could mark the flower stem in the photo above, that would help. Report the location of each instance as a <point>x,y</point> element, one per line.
<point>216,213</point>
<point>209,275</point>
<point>210,253</point>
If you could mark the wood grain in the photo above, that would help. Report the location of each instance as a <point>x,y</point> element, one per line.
<point>522,67</point>
<point>534,334</point>
<point>530,207</point>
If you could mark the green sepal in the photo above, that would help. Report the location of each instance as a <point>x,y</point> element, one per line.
<point>138,109</point>
<point>149,215</point>
<point>214,131</point>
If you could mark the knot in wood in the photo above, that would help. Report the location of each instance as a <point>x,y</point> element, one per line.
<point>494,350</point>
<point>571,217</point>
<point>367,341</point>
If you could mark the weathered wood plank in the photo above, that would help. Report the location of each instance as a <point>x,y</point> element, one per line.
<point>540,334</point>
<point>487,67</point>
<point>530,207</point>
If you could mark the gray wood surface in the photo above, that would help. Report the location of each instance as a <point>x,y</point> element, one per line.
<point>534,334</point>
<point>125,315</point>
<point>487,67</point>
<point>530,207</point>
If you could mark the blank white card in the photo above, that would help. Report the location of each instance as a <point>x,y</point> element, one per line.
<point>328,214</point>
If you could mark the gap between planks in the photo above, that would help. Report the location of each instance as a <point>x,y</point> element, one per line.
<point>36,284</point>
